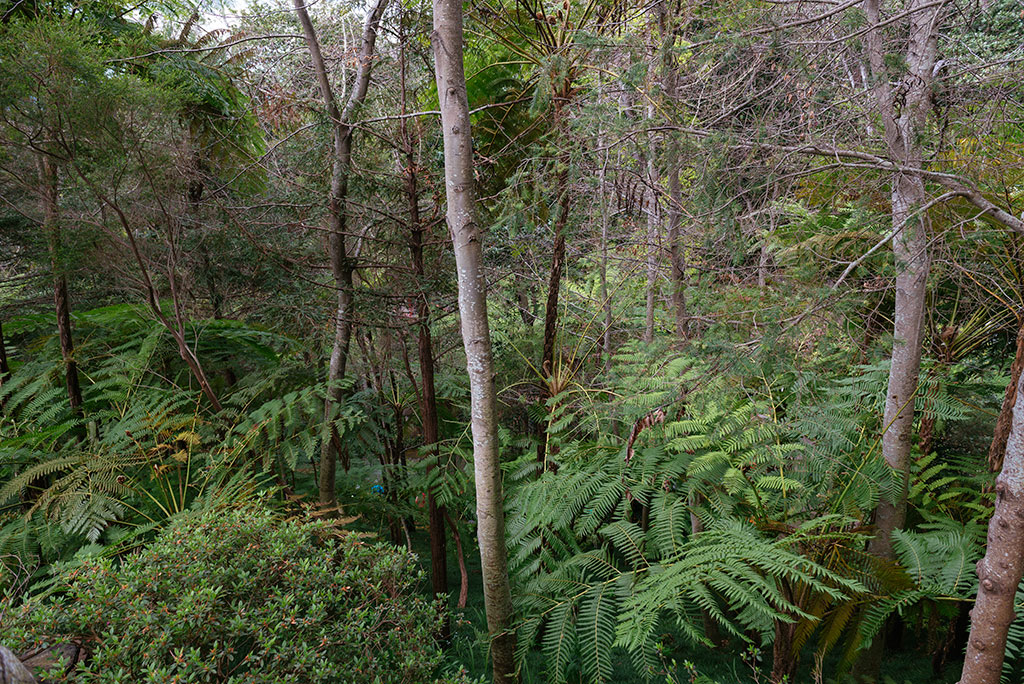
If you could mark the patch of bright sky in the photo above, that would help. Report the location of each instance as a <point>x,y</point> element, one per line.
<point>221,14</point>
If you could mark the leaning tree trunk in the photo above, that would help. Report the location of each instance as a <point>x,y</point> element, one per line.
<point>476,336</point>
<point>342,265</point>
<point>1000,571</point>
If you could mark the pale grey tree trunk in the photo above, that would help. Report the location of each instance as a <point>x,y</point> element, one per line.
<point>1000,571</point>
<point>903,128</point>
<point>461,214</point>
<point>342,265</point>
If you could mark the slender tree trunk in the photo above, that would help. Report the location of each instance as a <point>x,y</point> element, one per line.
<point>342,265</point>
<point>1001,570</point>
<point>5,369</point>
<point>547,359</point>
<point>1002,432</point>
<point>653,230</point>
<point>676,248</point>
<point>463,574</point>
<point>461,213</point>
<point>548,368</point>
<point>911,250</point>
<point>606,302</point>
<point>425,349</point>
<point>677,255</point>
<point>526,314</point>
<point>903,125</point>
<point>62,304</point>
<point>61,300</point>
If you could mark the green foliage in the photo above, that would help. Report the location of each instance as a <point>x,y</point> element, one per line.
<point>606,552</point>
<point>240,596</point>
<point>145,449</point>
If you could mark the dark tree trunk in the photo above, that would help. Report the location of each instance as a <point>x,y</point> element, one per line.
<point>1002,432</point>
<point>463,574</point>
<point>547,359</point>
<point>784,661</point>
<point>548,369</point>
<point>428,395</point>
<point>62,305</point>
<point>61,300</point>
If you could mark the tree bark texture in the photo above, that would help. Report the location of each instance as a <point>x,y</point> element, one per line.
<point>342,265</point>
<point>1000,571</point>
<point>447,42</point>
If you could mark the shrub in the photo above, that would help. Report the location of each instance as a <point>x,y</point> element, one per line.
<point>241,597</point>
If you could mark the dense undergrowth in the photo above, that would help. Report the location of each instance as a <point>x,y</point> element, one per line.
<point>689,511</point>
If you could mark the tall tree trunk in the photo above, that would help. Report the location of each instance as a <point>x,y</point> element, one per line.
<point>342,265</point>
<point>911,251</point>
<point>1001,570</point>
<point>461,213</point>
<point>61,301</point>
<point>425,349</point>
<point>1002,432</point>
<point>677,255</point>
<point>676,249</point>
<point>653,230</point>
<point>606,302</point>
<point>904,125</point>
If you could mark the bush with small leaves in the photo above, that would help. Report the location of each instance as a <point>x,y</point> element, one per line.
<point>240,596</point>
